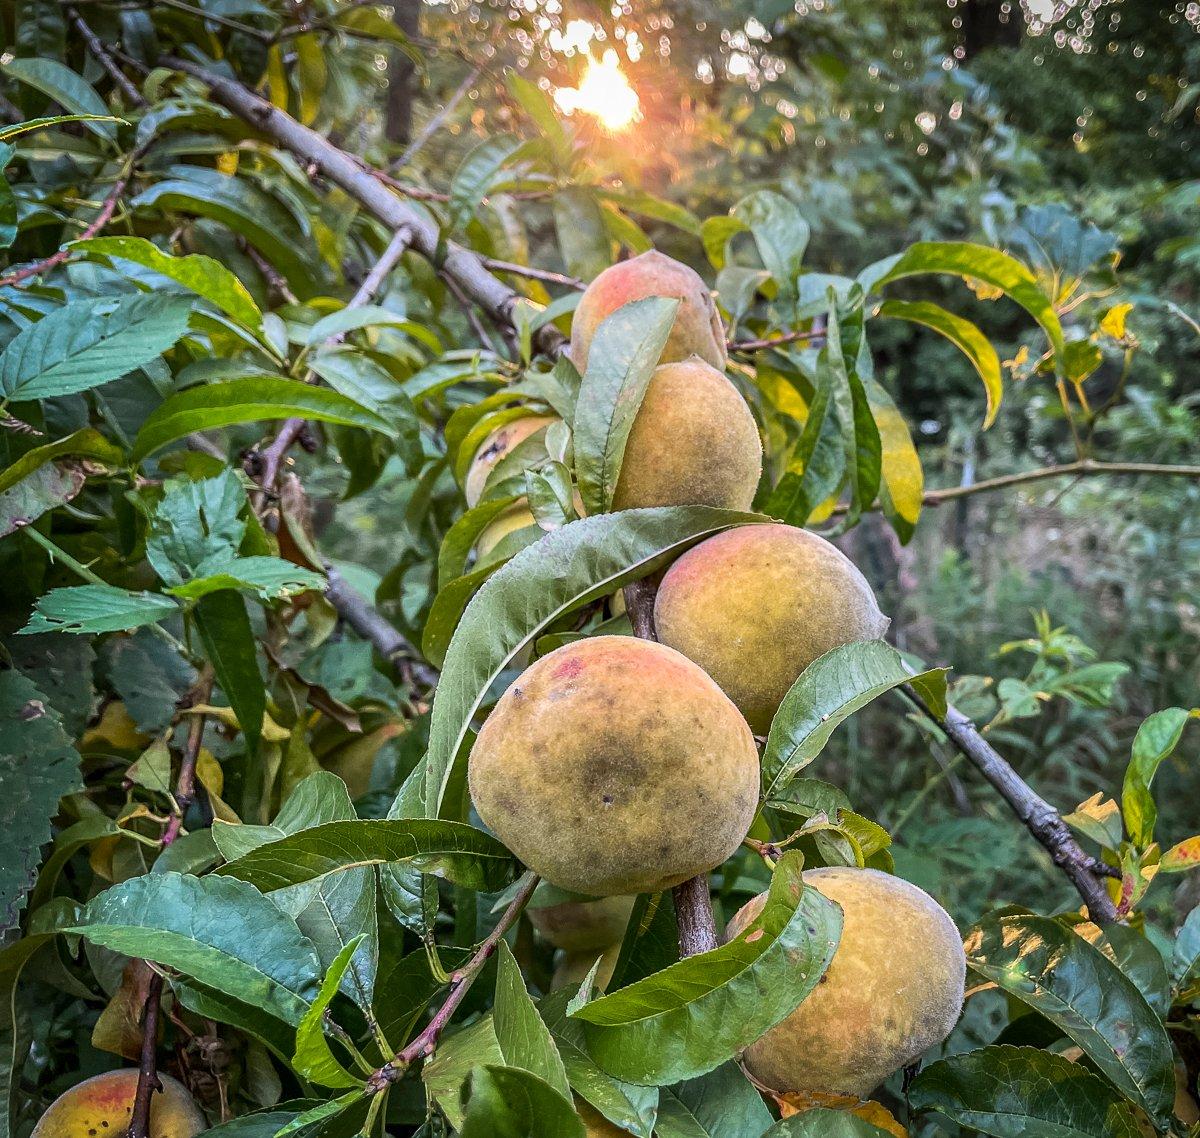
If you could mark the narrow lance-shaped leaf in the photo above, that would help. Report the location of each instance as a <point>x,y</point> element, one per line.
<point>1156,739</point>
<point>623,355</point>
<point>313,1057</point>
<point>698,1013</point>
<point>1014,1091</point>
<point>224,627</point>
<point>565,569</point>
<point>829,691</point>
<point>1057,973</point>
<point>89,609</point>
<point>525,1040</point>
<point>453,850</point>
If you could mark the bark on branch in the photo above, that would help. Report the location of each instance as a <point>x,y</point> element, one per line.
<point>463,265</point>
<point>1039,817</point>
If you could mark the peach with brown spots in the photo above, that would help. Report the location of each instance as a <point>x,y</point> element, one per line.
<point>101,1107</point>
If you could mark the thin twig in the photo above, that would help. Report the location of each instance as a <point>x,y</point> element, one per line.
<point>106,61</point>
<point>107,208</point>
<point>460,983</point>
<point>1039,817</point>
<point>774,341</point>
<point>693,905</point>
<point>435,123</point>
<point>148,1080</point>
<point>185,784</point>
<point>533,274</point>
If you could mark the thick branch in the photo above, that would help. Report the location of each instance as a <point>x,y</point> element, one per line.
<point>460,983</point>
<point>366,620</point>
<point>464,266</point>
<point>1038,816</point>
<point>693,905</point>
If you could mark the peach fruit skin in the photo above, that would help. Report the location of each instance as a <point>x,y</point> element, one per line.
<point>697,329</point>
<point>694,442</point>
<point>754,606</point>
<point>893,990</point>
<point>103,1105</point>
<point>615,765</point>
<point>577,926</point>
<point>500,443</point>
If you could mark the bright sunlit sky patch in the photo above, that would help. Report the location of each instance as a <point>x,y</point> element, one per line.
<point>603,92</point>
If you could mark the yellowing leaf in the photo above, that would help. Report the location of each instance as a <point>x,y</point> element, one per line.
<point>1181,857</point>
<point>271,731</point>
<point>1113,323</point>
<point>212,778</point>
<point>799,1102</point>
<point>277,84</point>
<point>227,163</point>
<point>116,729</point>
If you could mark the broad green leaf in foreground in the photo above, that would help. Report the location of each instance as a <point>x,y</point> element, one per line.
<point>453,850</point>
<point>223,933</point>
<point>38,765</point>
<point>67,88</point>
<point>1076,987</point>
<point>698,1013</point>
<point>564,570</point>
<point>313,1058</point>
<point>202,275</point>
<point>96,608</point>
<point>249,400</point>
<point>621,361</point>
<point>507,1102</point>
<point>721,1104</point>
<point>830,690</point>
<point>1014,1091</point>
<point>87,343</point>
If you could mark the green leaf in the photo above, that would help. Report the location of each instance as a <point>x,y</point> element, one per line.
<point>476,175</point>
<point>780,234</point>
<point>268,578</point>
<point>86,443</point>
<point>461,537</point>
<point>458,1055</point>
<point>963,335</point>
<point>541,109</point>
<point>1014,1091</point>
<point>582,235</point>
<point>241,205</point>
<point>196,522</point>
<point>829,691</point>
<point>319,1113</point>
<point>525,1041</point>
<point>964,259</point>
<point>698,1013</point>
<point>860,436</point>
<point>229,644</point>
<point>202,275</point>
<point>221,932</point>
<point>903,488</point>
<point>622,359</point>
<point>15,1035</point>
<point>630,1107</point>
<point>453,850</point>
<point>568,568</point>
<point>14,129</point>
<point>313,1058</point>
<point>67,88</point>
<point>38,765</point>
<point>1077,988</point>
<point>96,608</point>
<point>507,1102</point>
<point>1185,957</point>
<point>87,343</point>
<point>721,1104</point>
<point>1156,740</point>
<point>249,400</point>
<point>44,490</point>
<point>822,1122</point>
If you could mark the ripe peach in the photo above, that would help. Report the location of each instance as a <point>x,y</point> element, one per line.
<point>103,1105</point>
<point>754,606</point>
<point>614,765</point>
<point>697,329</point>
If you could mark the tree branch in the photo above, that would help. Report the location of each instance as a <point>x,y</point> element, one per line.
<point>774,341</point>
<point>366,620</point>
<point>1083,468</point>
<point>533,274</point>
<point>693,905</point>
<point>107,208</point>
<point>1039,817</point>
<point>460,983</point>
<point>101,54</point>
<point>462,264</point>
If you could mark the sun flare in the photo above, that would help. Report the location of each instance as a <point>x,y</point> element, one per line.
<point>604,93</point>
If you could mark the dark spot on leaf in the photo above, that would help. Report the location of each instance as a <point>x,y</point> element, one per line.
<point>34,709</point>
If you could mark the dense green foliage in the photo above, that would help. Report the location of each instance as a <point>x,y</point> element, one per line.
<point>249,625</point>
